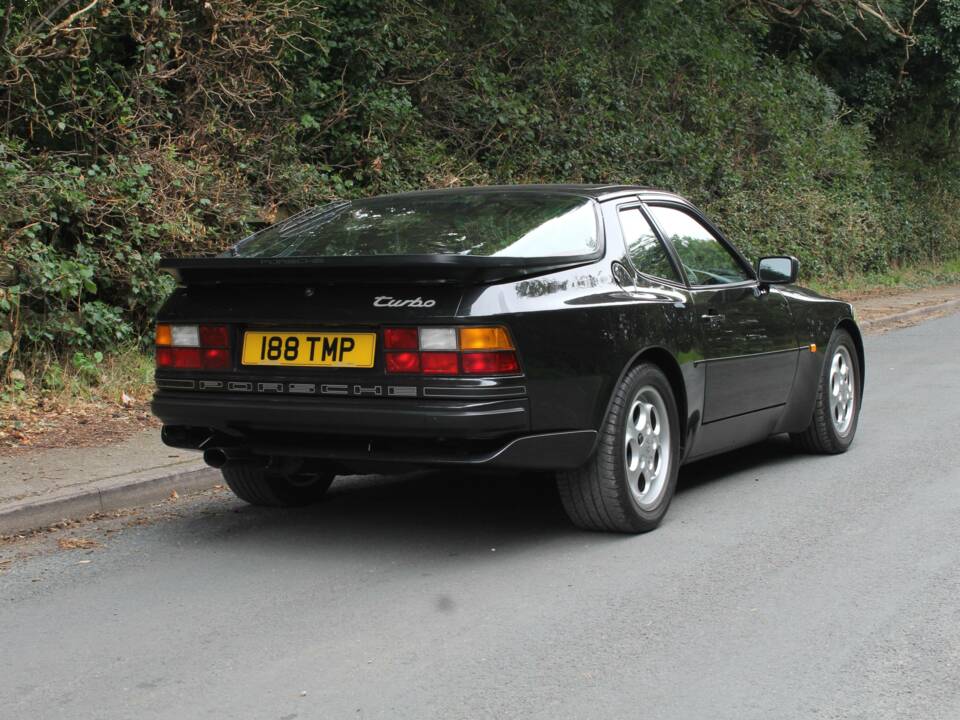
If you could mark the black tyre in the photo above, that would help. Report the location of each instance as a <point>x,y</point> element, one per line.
<point>837,409</point>
<point>258,485</point>
<point>628,484</point>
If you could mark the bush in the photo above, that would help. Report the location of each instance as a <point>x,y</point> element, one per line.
<point>138,129</point>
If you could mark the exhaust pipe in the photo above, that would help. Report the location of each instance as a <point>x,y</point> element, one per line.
<point>215,457</point>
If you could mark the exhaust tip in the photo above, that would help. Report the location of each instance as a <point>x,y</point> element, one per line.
<point>215,457</point>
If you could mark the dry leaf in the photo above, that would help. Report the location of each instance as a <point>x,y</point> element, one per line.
<point>77,543</point>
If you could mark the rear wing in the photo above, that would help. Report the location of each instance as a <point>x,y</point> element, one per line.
<point>459,269</point>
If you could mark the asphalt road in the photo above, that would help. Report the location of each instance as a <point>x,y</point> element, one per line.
<point>780,586</point>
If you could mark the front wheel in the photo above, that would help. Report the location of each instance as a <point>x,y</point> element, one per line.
<point>837,408</point>
<point>259,485</point>
<point>628,484</point>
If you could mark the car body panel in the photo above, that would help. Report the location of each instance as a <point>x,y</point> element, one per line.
<point>750,354</point>
<point>578,327</point>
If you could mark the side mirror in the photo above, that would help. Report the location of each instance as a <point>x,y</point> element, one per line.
<point>777,270</point>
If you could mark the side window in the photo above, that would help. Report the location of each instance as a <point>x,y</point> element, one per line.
<point>704,257</point>
<point>646,252</point>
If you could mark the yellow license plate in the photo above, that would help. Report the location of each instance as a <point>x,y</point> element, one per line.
<point>312,349</point>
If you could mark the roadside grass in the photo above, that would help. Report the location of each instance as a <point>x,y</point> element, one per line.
<point>891,281</point>
<point>82,388</point>
<point>87,377</point>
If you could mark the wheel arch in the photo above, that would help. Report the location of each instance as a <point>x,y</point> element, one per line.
<point>664,360</point>
<point>851,327</point>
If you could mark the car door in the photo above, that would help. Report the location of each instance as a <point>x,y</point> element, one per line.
<point>749,341</point>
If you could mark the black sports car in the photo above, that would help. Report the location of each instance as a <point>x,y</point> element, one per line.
<point>609,333</point>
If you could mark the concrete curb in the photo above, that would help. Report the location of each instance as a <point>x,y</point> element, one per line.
<point>916,313</point>
<point>32,513</point>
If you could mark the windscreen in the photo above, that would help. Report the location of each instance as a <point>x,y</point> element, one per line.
<point>453,222</point>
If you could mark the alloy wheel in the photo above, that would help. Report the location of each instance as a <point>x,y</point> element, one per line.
<point>646,449</point>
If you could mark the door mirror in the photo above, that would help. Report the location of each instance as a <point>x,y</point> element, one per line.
<point>780,270</point>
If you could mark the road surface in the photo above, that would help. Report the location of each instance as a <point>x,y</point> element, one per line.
<point>780,586</point>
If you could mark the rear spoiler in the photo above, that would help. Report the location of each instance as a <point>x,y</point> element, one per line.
<point>459,269</point>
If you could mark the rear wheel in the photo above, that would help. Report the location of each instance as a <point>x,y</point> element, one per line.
<point>837,408</point>
<point>628,484</point>
<point>259,485</point>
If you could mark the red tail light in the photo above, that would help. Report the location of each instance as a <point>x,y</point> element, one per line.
<point>401,339</point>
<point>216,359</point>
<point>193,347</point>
<point>214,336</point>
<point>403,362</point>
<point>490,363</point>
<point>179,358</point>
<point>439,363</point>
<point>164,357</point>
<point>450,351</point>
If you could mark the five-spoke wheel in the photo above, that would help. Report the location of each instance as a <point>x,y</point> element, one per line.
<point>628,483</point>
<point>836,410</point>
<point>646,446</point>
<point>843,390</point>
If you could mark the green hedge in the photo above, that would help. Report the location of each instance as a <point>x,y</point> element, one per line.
<point>173,127</point>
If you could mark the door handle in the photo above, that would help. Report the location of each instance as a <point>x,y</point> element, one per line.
<point>712,317</point>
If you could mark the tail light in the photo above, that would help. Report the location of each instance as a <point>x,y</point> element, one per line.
<point>401,339</point>
<point>439,363</point>
<point>490,363</point>
<point>450,351</point>
<point>193,347</point>
<point>403,362</point>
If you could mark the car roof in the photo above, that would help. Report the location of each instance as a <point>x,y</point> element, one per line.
<point>595,190</point>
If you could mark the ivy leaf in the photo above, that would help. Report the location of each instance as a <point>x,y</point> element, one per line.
<point>307,121</point>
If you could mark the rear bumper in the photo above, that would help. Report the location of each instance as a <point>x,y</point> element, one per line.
<point>489,433</point>
<point>243,415</point>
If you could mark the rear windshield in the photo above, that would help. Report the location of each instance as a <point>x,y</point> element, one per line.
<point>485,224</point>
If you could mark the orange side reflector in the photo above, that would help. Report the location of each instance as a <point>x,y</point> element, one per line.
<point>484,338</point>
<point>813,347</point>
<point>164,336</point>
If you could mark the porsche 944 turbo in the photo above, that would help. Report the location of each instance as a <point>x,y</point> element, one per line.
<point>607,333</point>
